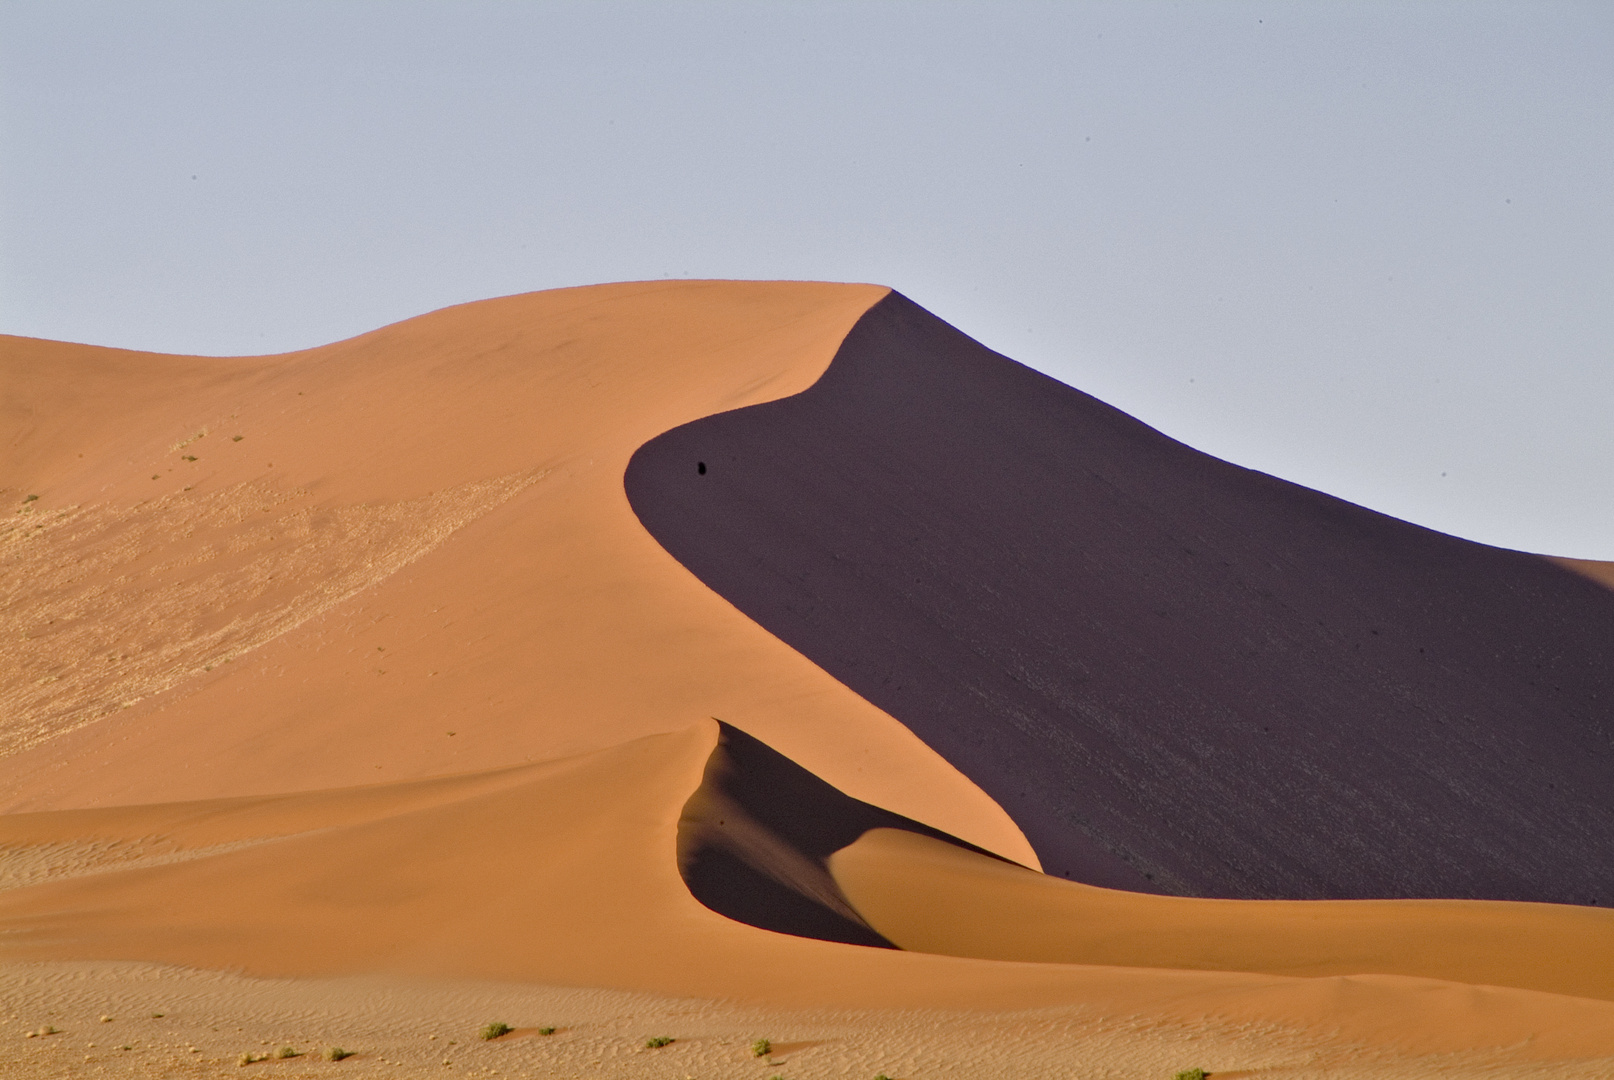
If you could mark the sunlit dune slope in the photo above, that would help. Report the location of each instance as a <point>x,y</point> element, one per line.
<point>1177,675</point>
<point>924,894</point>
<point>566,873</point>
<point>402,555</point>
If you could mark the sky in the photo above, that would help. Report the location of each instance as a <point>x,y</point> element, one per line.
<point>1365,247</point>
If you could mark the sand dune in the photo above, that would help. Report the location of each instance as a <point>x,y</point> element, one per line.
<point>1177,675</point>
<point>927,895</point>
<point>358,663</point>
<point>421,531</point>
<point>565,873</point>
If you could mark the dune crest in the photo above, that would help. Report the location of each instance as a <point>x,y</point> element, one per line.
<point>755,840</point>
<point>417,601</point>
<point>1179,676</point>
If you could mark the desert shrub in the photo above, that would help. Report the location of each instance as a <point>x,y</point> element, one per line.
<point>658,1042</point>
<point>287,1052</point>
<point>249,1058</point>
<point>1191,1074</point>
<point>494,1030</point>
<point>336,1053</point>
<point>761,1048</point>
<point>546,1031</point>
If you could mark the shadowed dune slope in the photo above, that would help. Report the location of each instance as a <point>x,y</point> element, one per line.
<point>566,873</point>
<point>1177,675</point>
<point>754,839</point>
<point>402,555</point>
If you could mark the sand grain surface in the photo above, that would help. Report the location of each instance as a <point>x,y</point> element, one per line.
<point>345,700</point>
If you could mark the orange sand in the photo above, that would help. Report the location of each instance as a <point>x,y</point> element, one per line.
<point>395,683</point>
<point>565,873</point>
<point>432,517</point>
<point>931,896</point>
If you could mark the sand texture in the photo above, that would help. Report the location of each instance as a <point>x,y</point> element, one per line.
<point>346,699</point>
<point>1177,675</point>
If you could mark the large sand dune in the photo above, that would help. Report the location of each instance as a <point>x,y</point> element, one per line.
<point>421,531</point>
<point>1176,674</point>
<point>357,663</point>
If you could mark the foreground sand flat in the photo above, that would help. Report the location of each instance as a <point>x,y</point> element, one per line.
<point>416,1028</point>
<point>352,672</point>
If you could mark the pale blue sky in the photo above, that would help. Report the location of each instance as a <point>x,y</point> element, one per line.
<point>1367,247</point>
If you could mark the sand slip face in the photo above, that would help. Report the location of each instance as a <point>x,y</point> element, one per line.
<point>402,555</point>
<point>1178,675</point>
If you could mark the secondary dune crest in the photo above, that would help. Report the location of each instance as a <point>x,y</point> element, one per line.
<point>925,894</point>
<point>766,842</point>
<point>755,837</point>
<point>566,873</point>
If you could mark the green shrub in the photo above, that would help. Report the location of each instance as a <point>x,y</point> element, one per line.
<point>546,1031</point>
<point>1191,1074</point>
<point>287,1052</point>
<point>494,1030</point>
<point>658,1042</point>
<point>761,1048</point>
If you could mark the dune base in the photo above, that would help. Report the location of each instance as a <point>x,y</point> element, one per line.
<point>411,1028</point>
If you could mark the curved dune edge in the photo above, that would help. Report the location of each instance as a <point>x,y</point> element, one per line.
<point>1596,570</point>
<point>1179,676</point>
<point>403,554</point>
<point>755,839</point>
<point>767,843</point>
<point>925,894</point>
<point>565,873</point>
